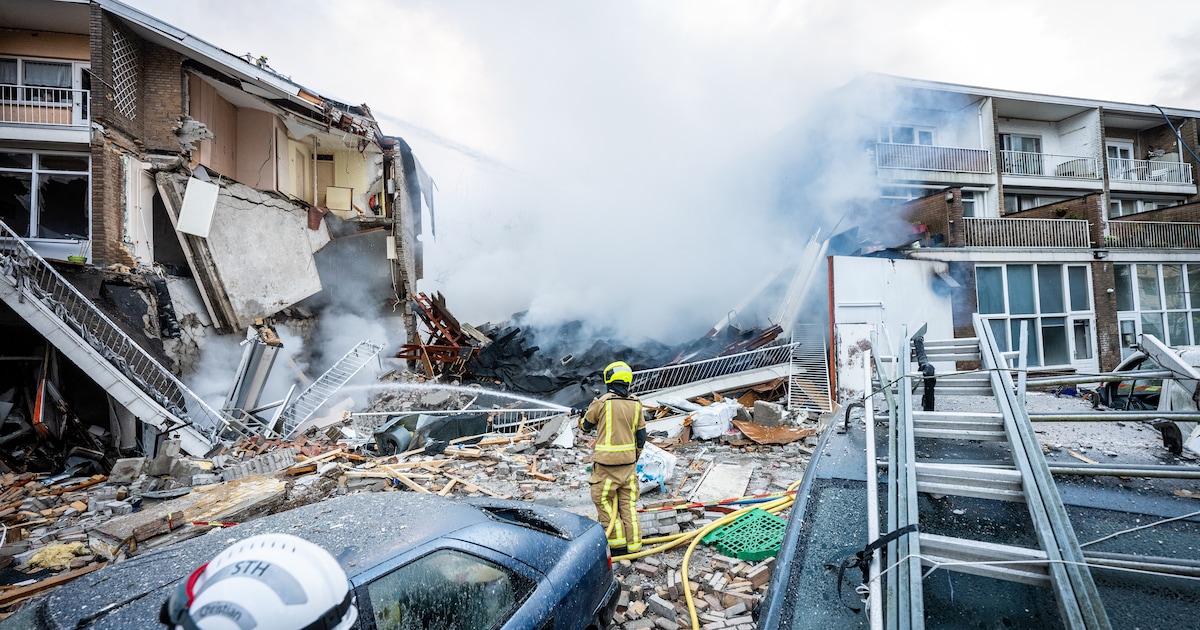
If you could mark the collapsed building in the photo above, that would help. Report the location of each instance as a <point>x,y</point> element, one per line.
<point>157,192</point>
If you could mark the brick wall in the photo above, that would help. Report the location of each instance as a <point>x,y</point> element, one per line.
<point>1108,337</point>
<point>108,203</point>
<point>1090,207</point>
<point>965,303</point>
<point>941,213</point>
<point>1186,213</point>
<point>159,104</point>
<point>103,97</point>
<point>162,98</point>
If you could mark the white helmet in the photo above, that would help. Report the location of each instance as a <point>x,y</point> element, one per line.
<point>265,582</point>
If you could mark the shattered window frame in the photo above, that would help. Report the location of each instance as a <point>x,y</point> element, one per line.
<point>1055,333</point>
<point>73,186</point>
<point>1175,319</point>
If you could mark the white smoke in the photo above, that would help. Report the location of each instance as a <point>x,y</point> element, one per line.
<point>643,164</point>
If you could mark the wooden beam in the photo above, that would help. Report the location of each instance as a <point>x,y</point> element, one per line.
<point>15,594</point>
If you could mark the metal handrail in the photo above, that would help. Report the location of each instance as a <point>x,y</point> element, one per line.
<point>39,281</point>
<point>1013,232</point>
<point>930,158</point>
<point>676,375</point>
<point>1153,234</point>
<point>1049,165</point>
<point>36,105</point>
<point>1122,169</point>
<point>502,420</point>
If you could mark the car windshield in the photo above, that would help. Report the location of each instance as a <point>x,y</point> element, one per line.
<point>1140,394</point>
<point>445,590</point>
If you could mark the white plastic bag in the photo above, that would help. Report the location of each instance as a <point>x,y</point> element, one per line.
<point>714,420</point>
<point>656,465</point>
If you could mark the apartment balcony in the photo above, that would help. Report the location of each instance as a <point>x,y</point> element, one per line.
<point>950,164</point>
<point>45,114</point>
<point>1150,176</point>
<point>999,232</point>
<point>1122,234</point>
<point>1050,165</point>
<point>1149,171</point>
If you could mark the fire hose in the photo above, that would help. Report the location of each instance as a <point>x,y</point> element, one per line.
<point>664,543</point>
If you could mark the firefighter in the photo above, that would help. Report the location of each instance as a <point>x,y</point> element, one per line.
<point>620,436</point>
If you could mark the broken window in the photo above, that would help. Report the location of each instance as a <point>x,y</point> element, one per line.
<point>446,589</point>
<point>45,195</point>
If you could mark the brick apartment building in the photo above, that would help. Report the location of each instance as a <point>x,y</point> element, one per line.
<point>112,113</point>
<point>1080,217</point>
<point>152,182</point>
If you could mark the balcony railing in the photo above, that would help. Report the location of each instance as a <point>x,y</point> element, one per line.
<point>991,232</point>
<point>685,373</point>
<point>929,158</point>
<point>1152,234</point>
<point>43,106</point>
<point>1120,169</point>
<point>1049,165</point>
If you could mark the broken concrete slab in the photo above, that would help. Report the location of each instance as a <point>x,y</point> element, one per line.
<point>228,263</point>
<point>724,480</point>
<point>127,469</point>
<point>167,454</point>
<point>769,414</point>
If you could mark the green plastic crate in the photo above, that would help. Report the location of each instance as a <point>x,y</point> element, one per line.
<point>756,535</point>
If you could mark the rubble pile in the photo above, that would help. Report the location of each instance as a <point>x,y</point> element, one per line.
<point>72,525</point>
<point>725,591</point>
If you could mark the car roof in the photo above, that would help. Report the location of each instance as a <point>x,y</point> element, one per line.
<point>359,530</point>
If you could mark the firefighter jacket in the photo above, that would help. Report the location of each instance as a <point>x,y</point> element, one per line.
<point>617,421</point>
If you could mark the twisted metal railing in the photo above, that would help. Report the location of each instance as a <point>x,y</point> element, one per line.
<point>37,280</point>
<point>676,375</point>
<point>366,423</point>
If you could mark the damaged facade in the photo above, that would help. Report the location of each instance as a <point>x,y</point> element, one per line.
<point>155,190</point>
<point>1080,217</point>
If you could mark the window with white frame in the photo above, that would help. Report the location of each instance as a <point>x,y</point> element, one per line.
<point>45,194</point>
<point>1015,202</point>
<point>1054,301</point>
<point>906,134</point>
<point>1159,299</point>
<point>897,195</point>
<point>1119,207</point>
<point>36,80</point>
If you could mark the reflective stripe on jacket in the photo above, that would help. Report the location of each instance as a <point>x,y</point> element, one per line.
<point>617,422</point>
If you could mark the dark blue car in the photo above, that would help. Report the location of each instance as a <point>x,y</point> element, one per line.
<point>414,561</point>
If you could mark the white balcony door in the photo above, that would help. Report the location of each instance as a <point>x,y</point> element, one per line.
<point>82,83</point>
<point>1120,160</point>
<point>1025,154</point>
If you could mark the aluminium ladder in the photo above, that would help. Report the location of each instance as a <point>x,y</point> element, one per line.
<point>319,392</point>
<point>1058,563</point>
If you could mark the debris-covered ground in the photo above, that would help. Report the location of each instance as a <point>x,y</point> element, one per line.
<point>58,528</point>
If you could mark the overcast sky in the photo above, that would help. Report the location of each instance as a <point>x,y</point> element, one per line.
<point>588,155</point>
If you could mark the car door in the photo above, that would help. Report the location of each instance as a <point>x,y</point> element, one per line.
<point>451,585</point>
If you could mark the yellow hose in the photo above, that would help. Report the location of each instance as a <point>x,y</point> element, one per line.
<point>674,540</point>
